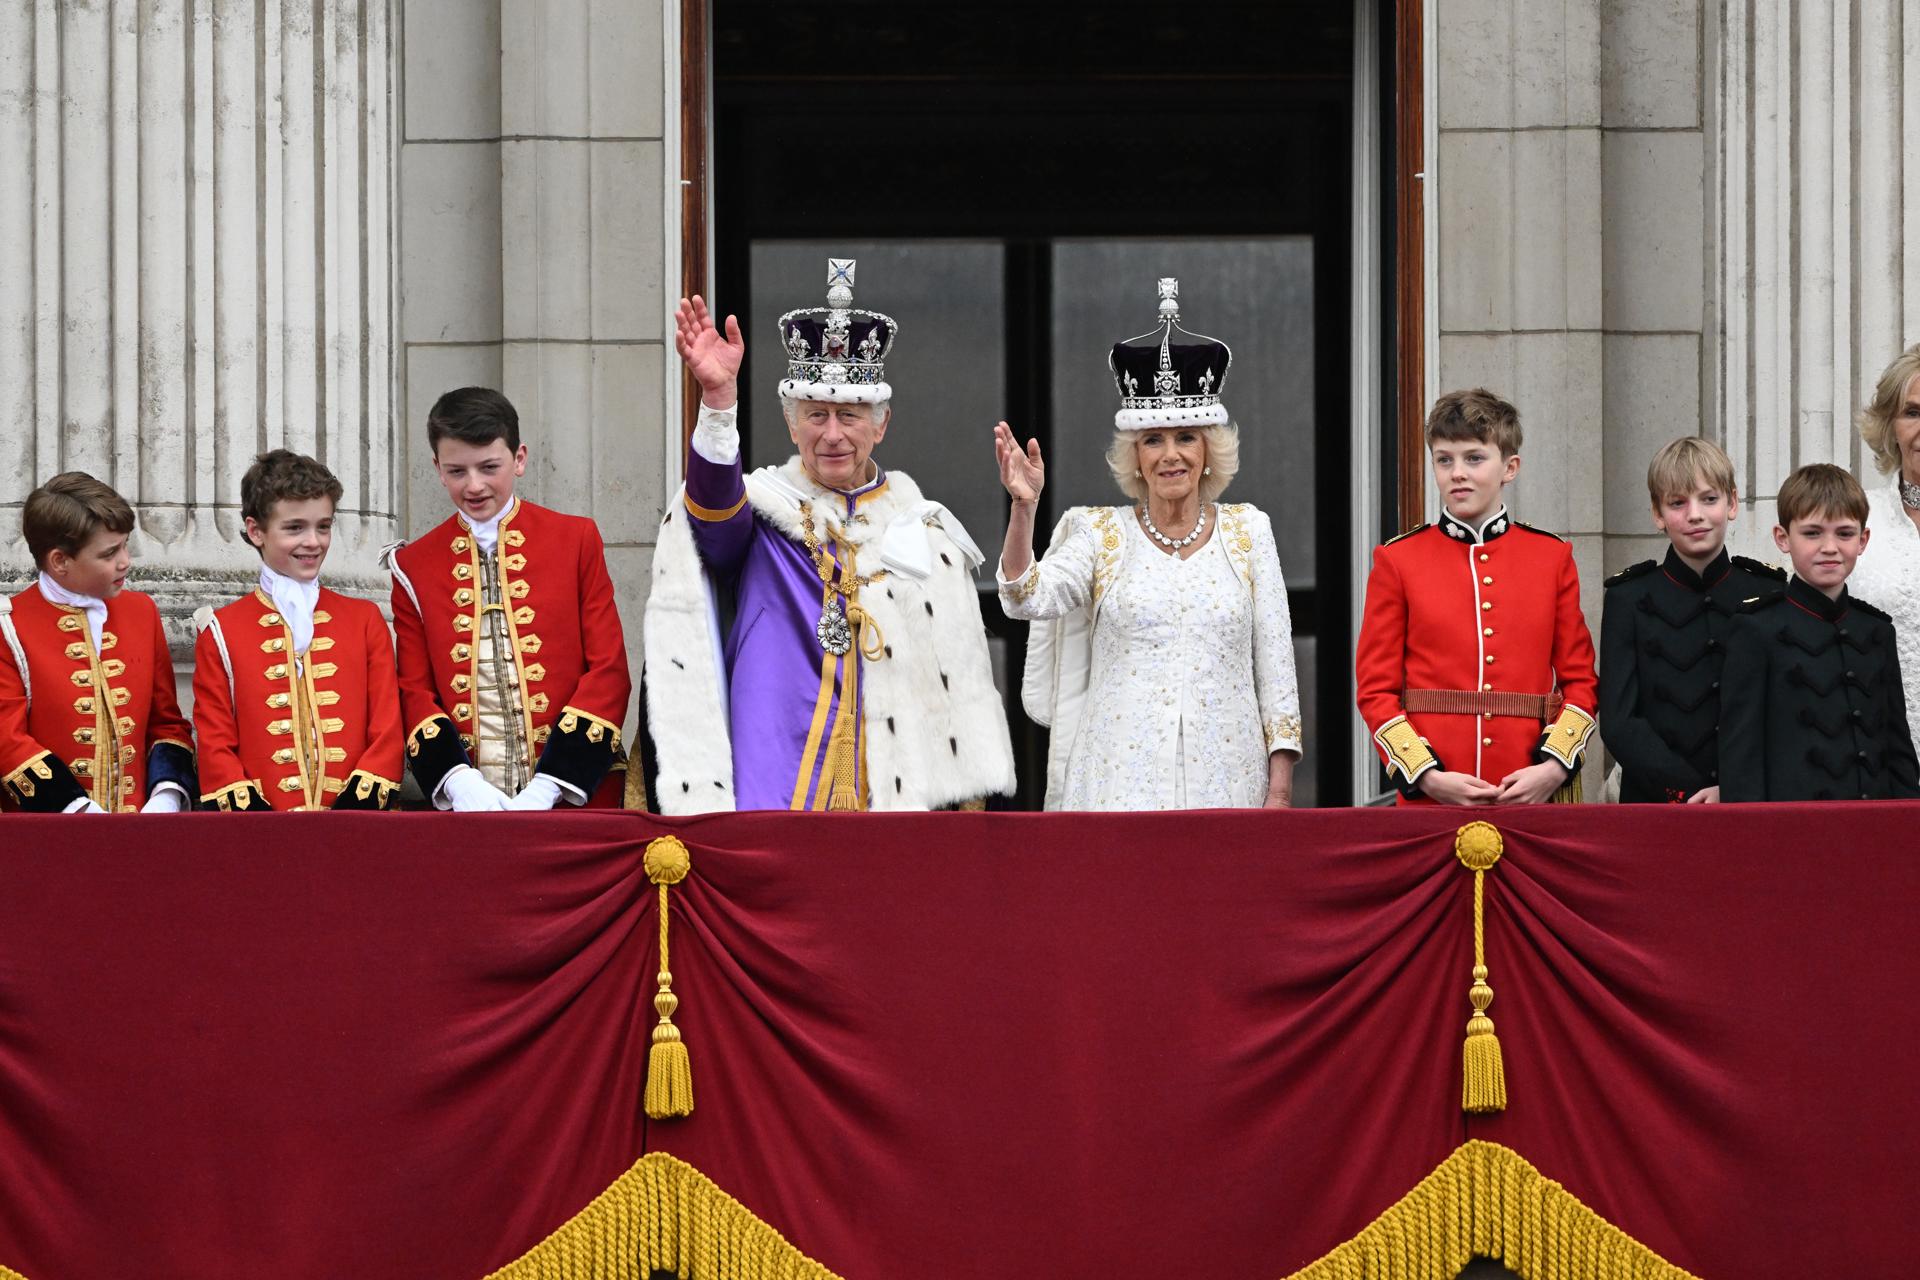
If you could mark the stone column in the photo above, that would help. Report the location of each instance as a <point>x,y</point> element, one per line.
<point>195,265</point>
<point>1815,227</point>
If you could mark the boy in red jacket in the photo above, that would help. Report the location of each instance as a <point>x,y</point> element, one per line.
<point>88,718</point>
<point>1475,667</point>
<point>513,666</point>
<point>294,696</point>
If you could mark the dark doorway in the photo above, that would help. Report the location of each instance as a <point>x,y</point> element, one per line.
<point>1013,180</point>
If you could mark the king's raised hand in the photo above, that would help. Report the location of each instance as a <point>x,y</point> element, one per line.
<point>711,356</point>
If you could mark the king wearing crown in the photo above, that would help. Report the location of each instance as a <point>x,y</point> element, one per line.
<point>854,673</point>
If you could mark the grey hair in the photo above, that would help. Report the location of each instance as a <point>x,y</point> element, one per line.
<point>1223,456</point>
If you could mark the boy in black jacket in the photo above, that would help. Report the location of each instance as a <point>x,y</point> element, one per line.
<point>1815,708</point>
<point>1663,631</point>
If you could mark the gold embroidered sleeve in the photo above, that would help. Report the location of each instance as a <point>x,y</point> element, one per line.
<point>1404,750</point>
<point>1566,738</point>
<point>238,797</point>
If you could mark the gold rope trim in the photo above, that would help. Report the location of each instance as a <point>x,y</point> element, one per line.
<point>663,1215</point>
<point>1483,1081</point>
<point>1486,1201</point>
<point>669,1070</point>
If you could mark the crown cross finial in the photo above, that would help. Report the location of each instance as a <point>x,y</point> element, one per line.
<point>839,283</point>
<point>1169,297</point>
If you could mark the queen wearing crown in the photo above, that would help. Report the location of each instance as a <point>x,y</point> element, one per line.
<point>1161,652</point>
<point>853,671</point>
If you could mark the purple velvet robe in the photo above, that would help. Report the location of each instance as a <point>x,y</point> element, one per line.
<point>784,689</point>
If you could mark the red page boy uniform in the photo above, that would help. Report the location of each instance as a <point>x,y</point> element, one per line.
<point>87,708</point>
<point>283,730</point>
<point>512,658</point>
<point>1473,653</point>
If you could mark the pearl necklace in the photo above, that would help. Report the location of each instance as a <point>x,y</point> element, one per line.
<point>1909,495</point>
<point>1200,527</point>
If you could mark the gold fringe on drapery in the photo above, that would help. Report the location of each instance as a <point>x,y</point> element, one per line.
<point>1483,1086</point>
<point>669,1070</point>
<point>1485,1201</point>
<point>664,1215</point>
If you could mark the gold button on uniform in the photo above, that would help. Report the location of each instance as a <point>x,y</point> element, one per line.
<point>1489,658</point>
<point>1487,631</point>
<point>1483,557</point>
<point>1487,687</point>
<point>1486,742</point>
<point>1488,581</point>
<point>1486,604</point>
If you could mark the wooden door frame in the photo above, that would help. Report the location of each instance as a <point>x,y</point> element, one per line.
<point>1410,258</point>
<point>696,114</point>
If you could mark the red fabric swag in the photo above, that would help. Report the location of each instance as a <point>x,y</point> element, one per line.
<point>951,1045</point>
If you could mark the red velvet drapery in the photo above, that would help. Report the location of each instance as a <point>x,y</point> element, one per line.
<point>948,1046</point>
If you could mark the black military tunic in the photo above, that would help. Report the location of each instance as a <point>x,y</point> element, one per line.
<point>1663,635</point>
<point>1814,709</point>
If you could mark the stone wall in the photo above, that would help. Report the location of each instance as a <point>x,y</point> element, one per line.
<point>1570,185</point>
<point>534,217</point>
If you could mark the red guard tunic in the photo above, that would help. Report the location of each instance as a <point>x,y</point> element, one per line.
<point>1473,654</point>
<point>277,733</point>
<point>568,652</point>
<point>80,721</point>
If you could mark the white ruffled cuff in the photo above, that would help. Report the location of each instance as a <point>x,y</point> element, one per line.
<point>716,435</point>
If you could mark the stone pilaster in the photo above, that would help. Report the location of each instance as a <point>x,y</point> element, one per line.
<point>1815,227</point>
<point>195,265</point>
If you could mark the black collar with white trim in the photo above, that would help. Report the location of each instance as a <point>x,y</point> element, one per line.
<point>1495,525</point>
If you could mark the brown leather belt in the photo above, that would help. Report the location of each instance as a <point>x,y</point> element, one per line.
<point>1544,707</point>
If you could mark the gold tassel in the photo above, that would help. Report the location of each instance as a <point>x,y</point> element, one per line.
<point>1478,845</point>
<point>669,1069</point>
<point>842,765</point>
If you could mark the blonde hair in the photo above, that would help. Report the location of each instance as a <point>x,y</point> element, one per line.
<point>1821,489</point>
<point>1876,420</point>
<point>1223,456</point>
<point>1683,464</point>
<point>1476,414</point>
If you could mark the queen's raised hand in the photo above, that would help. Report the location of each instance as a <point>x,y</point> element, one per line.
<point>1023,472</point>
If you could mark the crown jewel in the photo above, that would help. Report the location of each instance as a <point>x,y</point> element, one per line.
<point>1186,372</point>
<point>836,353</point>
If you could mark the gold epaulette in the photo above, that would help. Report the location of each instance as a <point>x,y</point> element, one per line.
<point>1419,528</point>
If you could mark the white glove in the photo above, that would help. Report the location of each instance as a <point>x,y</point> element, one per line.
<point>467,791</point>
<point>165,800</point>
<point>541,793</point>
<point>84,805</point>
